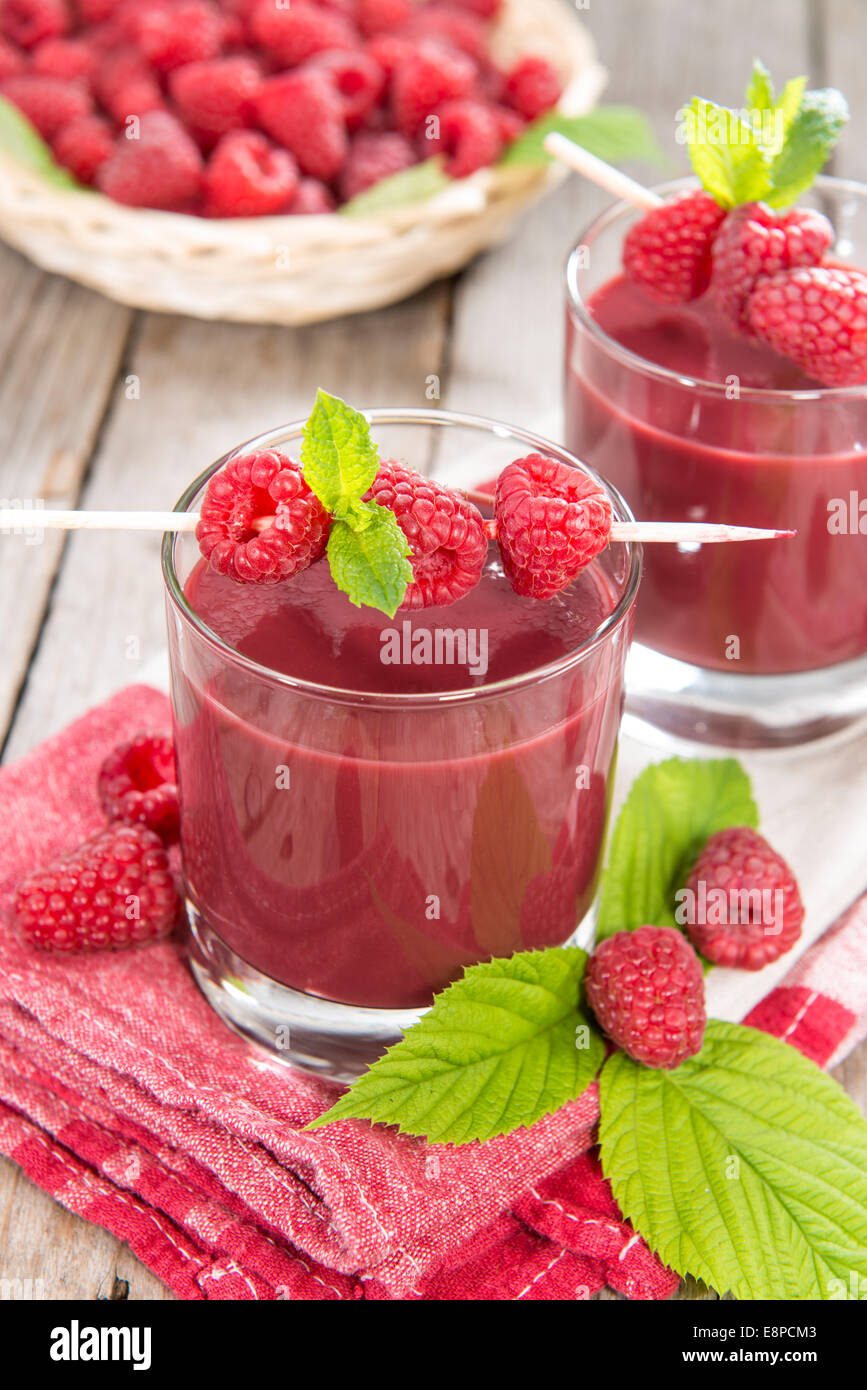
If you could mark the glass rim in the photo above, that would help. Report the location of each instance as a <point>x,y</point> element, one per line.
<point>337,694</point>
<point>638,364</point>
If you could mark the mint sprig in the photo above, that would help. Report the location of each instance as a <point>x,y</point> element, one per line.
<point>367,551</point>
<point>613,133</point>
<point>772,150</point>
<point>746,1166</point>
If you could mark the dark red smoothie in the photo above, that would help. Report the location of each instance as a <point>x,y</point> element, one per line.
<point>364,849</point>
<point>687,452</point>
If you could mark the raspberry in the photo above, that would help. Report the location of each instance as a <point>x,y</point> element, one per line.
<point>83,146</point>
<point>138,783</point>
<point>446,535</point>
<point>383,16</point>
<point>360,82</point>
<point>647,992</point>
<point>96,11</point>
<point>116,890</point>
<point>294,34</point>
<point>668,250</point>
<point>254,489</point>
<point>218,95</point>
<point>70,59</point>
<point>28,22</point>
<point>755,243</point>
<point>428,76</point>
<point>303,111</point>
<point>48,103</point>
<point>161,169</point>
<point>469,137</point>
<point>171,34</point>
<point>249,177</point>
<point>551,521</point>
<point>12,62</point>
<point>125,85</point>
<point>510,124</point>
<point>390,51</point>
<point>532,87</point>
<point>451,26</point>
<point>735,916</point>
<point>486,9</point>
<point>817,316</point>
<point>312,199</point>
<point>374,155</point>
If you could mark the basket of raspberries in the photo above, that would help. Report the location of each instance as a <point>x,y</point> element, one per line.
<point>275,161</point>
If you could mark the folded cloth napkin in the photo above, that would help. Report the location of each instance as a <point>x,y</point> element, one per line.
<point>125,1097</point>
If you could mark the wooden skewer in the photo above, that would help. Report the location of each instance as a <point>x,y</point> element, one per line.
<point>619,185</point>
<point>18,519</point>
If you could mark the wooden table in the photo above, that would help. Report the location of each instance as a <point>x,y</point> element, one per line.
<point>104,407</point>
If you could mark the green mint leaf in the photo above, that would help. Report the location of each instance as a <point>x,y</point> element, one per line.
<point>671,809</point>
<point>746,1166</point>
<point>760,95</point>
<point>501,1047</point>
<point>368,558</point>
<point>25,145</point>
<point>411,185</point>
<point>811,135</point>
<point>338,456</point>
<point>613,133</point>
<point>789,103</point>
<point>726,153</point>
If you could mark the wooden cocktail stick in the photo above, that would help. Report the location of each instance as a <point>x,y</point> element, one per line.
<point>619,185</point>
<point>18,519</point>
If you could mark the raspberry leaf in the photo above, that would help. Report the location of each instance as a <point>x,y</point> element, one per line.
<point>812,133</point>
<point>614,133</point>
<point>411,185</point>
<point>671,810</point>
<point>501,1047</point>
<point>25,145</point>
<point>726,153</point>
<point>745,1167</point>
<point>338,456</point>
<point>368,561</point>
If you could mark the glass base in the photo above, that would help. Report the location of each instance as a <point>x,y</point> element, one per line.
<point>670,697</point>
<point>335,1041</point>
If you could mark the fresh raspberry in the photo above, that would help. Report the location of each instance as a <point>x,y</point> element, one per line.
<point>170,34</point>
<point>125,85</point>
<point>755,243</point>
<point>383,16</point>
<point>486,9</point>
<point>70,59</point>
<point>668,250</point>
<point>390,51</point>
<point>48,103</point>
<point>445,532</point>
<point>294,34</point>
<point>449,25</point>
<point>96,11</point>
<point>469,137</point>
<point>12,62</point>
<point>647,992</point>
<point>735,916</point>
<point>817,316</point>
<point>83,146</point>
<point>161,169</point>
<point>374,155</point>
<point>532,87</point>
<point>260,522</point>
<point>303,111</point>
<point>138,783</point>
<point>247,176</point>
<point>509,123</point>
<point>115,890</point>
<point>360,82</point>
<point>28,22</point>
<point>428,76</point>
<point>217,96</point>
<point>312,199</point>
<point>551,521</point>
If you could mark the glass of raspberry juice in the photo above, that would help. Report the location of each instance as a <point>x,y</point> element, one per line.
<point>757,643</point>
<point>370,804</point>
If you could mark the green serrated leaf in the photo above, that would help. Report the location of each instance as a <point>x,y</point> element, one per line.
<point>760,94</point>
<point>613,133</point>
<point>368,561</point>
<point>411,185</point>
<point>726,153</point>
<point>790,102</point>
<point>811,135</point>
<point>26,146</point>
<point>671,810</point>
<point>745,1167</point>
<point>501,1047</point>
<point>338,456</point>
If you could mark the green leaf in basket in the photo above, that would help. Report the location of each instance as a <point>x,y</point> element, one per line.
<point>409,186</point>
<point>25,145</point>
<point>613,133</point>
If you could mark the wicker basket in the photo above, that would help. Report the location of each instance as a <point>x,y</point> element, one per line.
<point>294,270</point>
